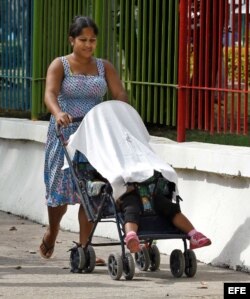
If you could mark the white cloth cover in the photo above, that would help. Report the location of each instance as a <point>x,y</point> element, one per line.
<point>115,141</point>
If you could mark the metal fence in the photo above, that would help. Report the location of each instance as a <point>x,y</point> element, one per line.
<point>15,54</point>
<point>214,73</point>
<point>205,62</point>
<point>148,45</point>
<point>139,37</point>
<point>51,19</point>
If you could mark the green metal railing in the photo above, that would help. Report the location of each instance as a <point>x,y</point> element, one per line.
<point>140,37</point>
<point>50,40</point>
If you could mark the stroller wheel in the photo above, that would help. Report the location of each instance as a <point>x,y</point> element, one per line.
<point>90,260</point>
<point>155,257</point>
<point>142,259</point>
<point>177,263</point>
<point>129,266</point>
<point>190,263</point>
<point>77,259</point>
<point>115,266</point>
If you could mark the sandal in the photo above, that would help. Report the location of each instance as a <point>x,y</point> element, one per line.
<point>132,242</point>
<point>46,251</point>
<point>198,240</point>
<point>100,262</point>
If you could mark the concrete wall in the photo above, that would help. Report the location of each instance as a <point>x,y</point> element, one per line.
<point>213,182</point>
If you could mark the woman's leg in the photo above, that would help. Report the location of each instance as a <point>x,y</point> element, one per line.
<point>84,225</point>
<point>85,230</point>
<point>55,215</point>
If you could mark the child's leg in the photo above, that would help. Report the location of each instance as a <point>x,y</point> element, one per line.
<point>131,207</point>
<point>197,239</point>
<point>131,239</point>
<point>181,222</point>
<point>166,208</point>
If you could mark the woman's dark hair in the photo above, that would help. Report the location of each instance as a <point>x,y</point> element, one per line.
<point>79,23</point>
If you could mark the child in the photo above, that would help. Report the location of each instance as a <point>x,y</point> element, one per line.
<point>131,205</point>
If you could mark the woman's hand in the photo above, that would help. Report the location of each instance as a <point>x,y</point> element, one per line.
<point>63,119</point>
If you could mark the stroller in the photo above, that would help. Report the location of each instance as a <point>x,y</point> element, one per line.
<point>116,143</point>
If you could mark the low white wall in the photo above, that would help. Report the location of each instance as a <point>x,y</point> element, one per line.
<point>213,182</point>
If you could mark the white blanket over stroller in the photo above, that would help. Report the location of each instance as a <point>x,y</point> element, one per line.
<point>115,141</point>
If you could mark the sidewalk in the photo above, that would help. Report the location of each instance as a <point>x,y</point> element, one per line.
<point>25,275</point>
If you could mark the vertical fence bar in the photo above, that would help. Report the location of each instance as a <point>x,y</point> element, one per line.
<point>150,59</point>
<point>232,67</point>
<point>144,60</point>
<point>36,54</point>
<point>201,64</point>
<point>175,71</point>
<point>195,64</point>
<point>132,49</point>
<point>2,56</point>
<point>44,56</point>
<point>8,48</point>
<point>98,20</point>
<point>169,65</point>
<point>207,65</point>
<point>219,73</point>
<point>120,45</point>
<point>226,43</point>
<point>126,31</point>
<point>214,64</point>
<point>114,32</point>
<point>138,54</point>
<point>190,63</point>
<point>238,126</point>
<point>246,70</point>
<point>156,61</point>
<point>15,47</point>
<point>164,53</point>
<point>182,77</point>
<point>109,30</point>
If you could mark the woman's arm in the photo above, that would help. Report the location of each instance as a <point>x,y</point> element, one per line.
<point>55,74</point>
<point>115,86</point>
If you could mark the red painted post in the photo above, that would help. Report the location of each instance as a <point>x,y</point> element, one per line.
<point>182,71</point>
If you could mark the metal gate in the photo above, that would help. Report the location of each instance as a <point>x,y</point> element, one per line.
<point>139,36</point>
<point>210,51</point>
<point>15,54</point>
<point>214,72</point>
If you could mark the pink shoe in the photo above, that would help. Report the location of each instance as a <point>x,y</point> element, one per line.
<point>198,240</point>
<point>132,242</point>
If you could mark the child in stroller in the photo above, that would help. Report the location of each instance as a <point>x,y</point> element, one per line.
<point>154,196</point>
<point>116,143</point>
<point>160,201</point>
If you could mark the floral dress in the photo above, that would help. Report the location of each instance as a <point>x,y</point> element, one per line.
<point>78,94</point>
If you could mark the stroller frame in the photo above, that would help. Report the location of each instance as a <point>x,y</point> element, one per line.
<point>83,259</point>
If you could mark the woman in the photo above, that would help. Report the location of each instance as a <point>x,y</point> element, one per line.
<point>75,83</point>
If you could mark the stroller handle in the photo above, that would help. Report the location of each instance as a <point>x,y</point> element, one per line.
<point>77,119</point>
<point>59,127</point>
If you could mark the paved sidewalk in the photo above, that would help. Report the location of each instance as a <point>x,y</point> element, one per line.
<point>24,274</point>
